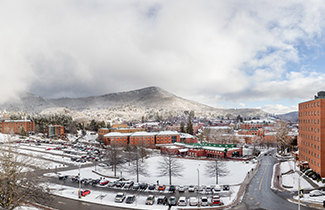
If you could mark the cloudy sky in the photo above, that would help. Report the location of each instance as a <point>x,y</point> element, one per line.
<point>227,54</point>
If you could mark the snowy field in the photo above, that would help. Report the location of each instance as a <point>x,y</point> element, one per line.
<point>238,172</point>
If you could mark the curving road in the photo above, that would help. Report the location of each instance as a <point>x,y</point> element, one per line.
<point>259,194</point>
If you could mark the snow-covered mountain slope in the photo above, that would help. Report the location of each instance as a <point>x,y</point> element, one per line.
<point>123,106</point>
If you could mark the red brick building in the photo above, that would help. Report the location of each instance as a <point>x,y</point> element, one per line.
<point>16,126</point>
<point>312,133</point>
<point>55,131</point>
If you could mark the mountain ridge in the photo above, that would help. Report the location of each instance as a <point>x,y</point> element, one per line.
<point>123,106</point>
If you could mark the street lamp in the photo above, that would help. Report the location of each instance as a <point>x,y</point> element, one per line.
<point>79,192</point>
<point>299,189</point>
<point>198,186</point>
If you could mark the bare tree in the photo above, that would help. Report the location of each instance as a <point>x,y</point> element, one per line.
<point>216,168</point>
<point>138,167</point>
<point>281,135</point>
<point>170,166</point>
<point>18,183</point>
<point>114,155</point>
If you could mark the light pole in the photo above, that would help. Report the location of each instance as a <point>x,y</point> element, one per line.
<point>299,189</point>
<point>79,192</point>
<point>198,186</point>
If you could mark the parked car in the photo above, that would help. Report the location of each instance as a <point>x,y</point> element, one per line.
<point>119,198</point>
<point>103,182</point>
<point>204,201</point>
<point>193,201</point>
<point>150,200</point>
<point>215,199</point>
<point>130,199</point>
<point>143,186</point>
<point>172,201</point>
<point>226,187</point>
<point>172,188</point>
<point>85,192</point>
<point>95,181</point>
<point>128,184</point>
<point>120,184</point>
<point>136,186</point>
<point>161,187</point>
<point>63,177</point>
<point>182,201</point>
<point>152,187</point>
<point>111,184</point>
<point>191,188</point>
<point>315,193</point>
<point>181,188</point>
<point>217,188</point>
<point>208,189</point>
<point>162,200</point>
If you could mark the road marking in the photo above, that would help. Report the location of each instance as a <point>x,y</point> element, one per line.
<point>85,204</point>
<point>264,173</point>
<point>60,202</point>
<point>252,198</point>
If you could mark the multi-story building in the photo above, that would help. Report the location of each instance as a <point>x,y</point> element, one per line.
<point>148,139</point>
<point>311,139</point>
<point>16,126</point>
<point>103,131</point>
<point>55,131</point>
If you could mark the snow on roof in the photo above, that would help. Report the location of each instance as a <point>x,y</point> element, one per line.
<point>167,133</point>
<point>218,127</point>
<point>219,148</point>
<point>113,134</point>
<point>17,121</point>
<point>186,135</point>
<point>259,121</point>
<point>183,150</point>
<point>143,133</point>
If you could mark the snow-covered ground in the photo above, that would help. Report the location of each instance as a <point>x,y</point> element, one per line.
<point>238,172</point>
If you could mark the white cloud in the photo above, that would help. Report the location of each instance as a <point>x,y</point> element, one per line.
<point>218,51</point>
<point>279,109</point>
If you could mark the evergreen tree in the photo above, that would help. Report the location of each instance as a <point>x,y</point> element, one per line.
<point>189,126</point>
<point>182,127</point>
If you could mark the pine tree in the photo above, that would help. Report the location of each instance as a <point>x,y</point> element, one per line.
<point>189,126</point>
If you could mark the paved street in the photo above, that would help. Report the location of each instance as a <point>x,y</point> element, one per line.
<point>259,194</point>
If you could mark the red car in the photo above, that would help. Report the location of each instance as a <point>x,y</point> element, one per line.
<point>161,187</point>
<point>104,182</point>
<point>85,192</point>
<point>48,149</point>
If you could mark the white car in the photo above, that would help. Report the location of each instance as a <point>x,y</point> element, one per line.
<point>182,201</point>
<point>191,188</point>
<point>181,188</point>
<point>315,193</point>
<point>217,188</point>
<point>204,201</point>
<point>119,198</point>
<point>193,201</point>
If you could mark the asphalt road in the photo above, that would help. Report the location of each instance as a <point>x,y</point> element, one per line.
<point>260,196</point>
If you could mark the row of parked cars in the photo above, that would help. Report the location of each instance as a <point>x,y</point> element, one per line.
<point>131,185</point>
<point>171,201</point>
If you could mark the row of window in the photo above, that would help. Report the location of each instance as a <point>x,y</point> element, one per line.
<point>310,113</point>
<point>309,137</point>
<point>310,129</point>
<point>309,121</point>
<point>310,145</point>
<point>311,104</point>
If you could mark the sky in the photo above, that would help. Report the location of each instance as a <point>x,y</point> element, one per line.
<point>226,54</point>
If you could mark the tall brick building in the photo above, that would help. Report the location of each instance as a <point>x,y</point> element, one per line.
<point>311,140</point>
